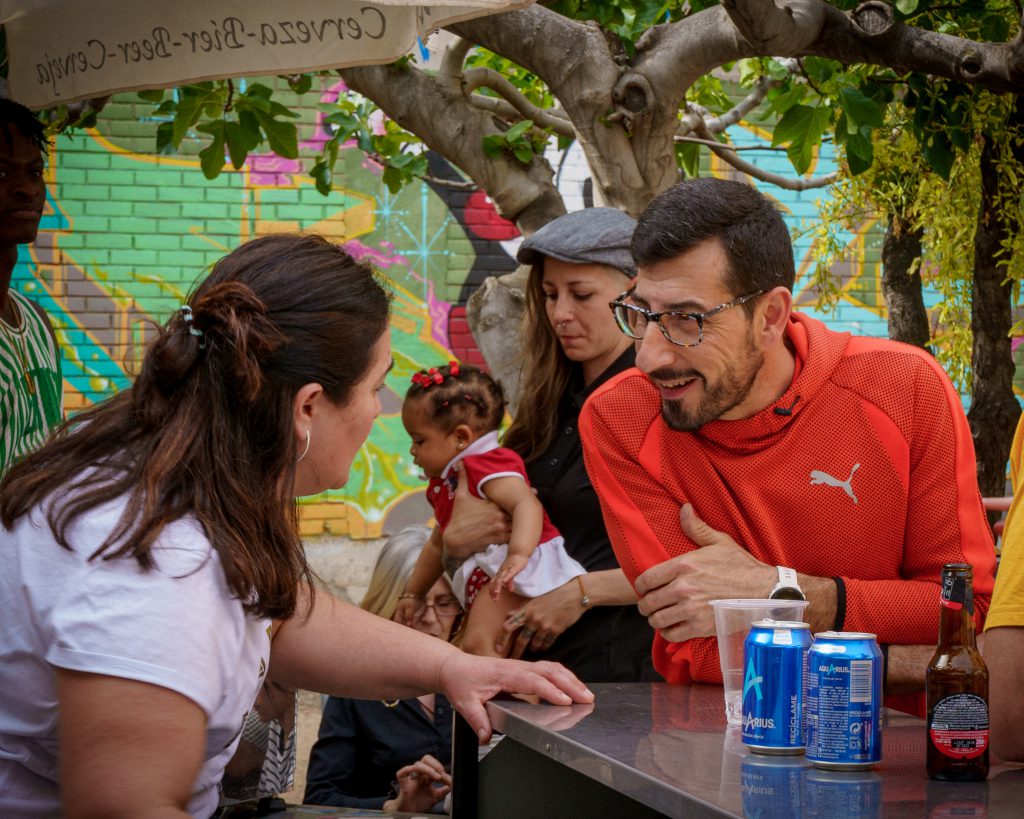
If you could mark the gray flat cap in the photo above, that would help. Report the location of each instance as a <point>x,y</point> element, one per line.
<point>589,236</point>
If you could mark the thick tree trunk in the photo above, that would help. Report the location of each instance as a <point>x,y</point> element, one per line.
<point>994,409</point>
<point>908,319</point>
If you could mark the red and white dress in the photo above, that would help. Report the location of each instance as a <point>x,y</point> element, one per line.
<point>549,566</point>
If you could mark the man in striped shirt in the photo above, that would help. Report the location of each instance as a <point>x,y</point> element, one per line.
<point>31,395</point>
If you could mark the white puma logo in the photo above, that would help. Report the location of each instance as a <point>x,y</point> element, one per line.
<point>819,477</point>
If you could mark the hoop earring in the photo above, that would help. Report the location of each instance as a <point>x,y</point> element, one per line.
<point>303,455</point>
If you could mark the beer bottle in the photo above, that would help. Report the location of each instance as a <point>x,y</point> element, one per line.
<point>956,686</point>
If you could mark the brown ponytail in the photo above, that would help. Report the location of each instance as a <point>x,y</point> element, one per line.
<point>207,429</point>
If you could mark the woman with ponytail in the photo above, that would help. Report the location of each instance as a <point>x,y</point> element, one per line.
<point>151,572</point>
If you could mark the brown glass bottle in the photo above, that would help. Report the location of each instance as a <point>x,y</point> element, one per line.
<point>956,686</point>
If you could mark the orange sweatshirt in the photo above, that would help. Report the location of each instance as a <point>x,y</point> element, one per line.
<point>870,478</point>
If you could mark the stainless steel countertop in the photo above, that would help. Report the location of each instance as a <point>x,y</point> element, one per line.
<point>669,748</point>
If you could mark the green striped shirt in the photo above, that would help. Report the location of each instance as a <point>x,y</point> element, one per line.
<point>27,414</point>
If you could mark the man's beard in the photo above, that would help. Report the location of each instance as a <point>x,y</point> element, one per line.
<point>728,392</point>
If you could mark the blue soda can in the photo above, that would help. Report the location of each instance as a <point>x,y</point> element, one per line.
<point>843,696</point>
<point>774,657</point>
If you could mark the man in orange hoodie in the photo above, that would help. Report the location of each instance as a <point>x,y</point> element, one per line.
<point>754,450</point>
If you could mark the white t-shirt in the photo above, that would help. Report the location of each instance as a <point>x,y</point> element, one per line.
<point>175,626</point>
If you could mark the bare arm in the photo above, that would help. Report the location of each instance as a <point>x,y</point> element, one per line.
<point>514,496</point>
<point>1004,655</point>
<point>906,667</point>
<point>127,748</point>
<point>342,650</point>
<point>428,568</point>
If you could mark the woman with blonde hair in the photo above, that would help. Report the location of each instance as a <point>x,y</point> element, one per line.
<point>363,743</point>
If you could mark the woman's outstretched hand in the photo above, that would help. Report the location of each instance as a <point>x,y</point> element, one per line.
<point>469,681</point>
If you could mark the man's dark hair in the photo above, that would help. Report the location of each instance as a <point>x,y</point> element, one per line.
<point>15,115</point>
<point>746,222</point>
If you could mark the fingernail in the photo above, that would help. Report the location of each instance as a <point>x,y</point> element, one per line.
<point>482,734</point>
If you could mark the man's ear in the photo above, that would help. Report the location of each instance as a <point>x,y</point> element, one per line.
<point>776,307</point>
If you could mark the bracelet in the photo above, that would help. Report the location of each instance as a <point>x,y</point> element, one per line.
<point>584,598</point>
<point>407,595</point>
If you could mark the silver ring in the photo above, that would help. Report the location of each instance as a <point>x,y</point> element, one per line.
<point>528,633</point>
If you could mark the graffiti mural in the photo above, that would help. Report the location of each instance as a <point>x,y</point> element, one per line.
<point>127,232</point>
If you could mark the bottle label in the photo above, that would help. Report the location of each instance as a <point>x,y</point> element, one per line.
<point>956,594</point>
<point>958,726</point>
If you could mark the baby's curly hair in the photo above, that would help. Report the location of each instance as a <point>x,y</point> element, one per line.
<point>459,394</point>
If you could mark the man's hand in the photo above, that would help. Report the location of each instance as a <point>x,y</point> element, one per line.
<point>541,620</point>
<point>675,595</point>
<point>475,523</point>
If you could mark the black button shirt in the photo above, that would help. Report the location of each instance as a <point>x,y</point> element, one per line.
<point>608,643</point>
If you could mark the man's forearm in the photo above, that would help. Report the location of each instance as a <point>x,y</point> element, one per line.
<point>906,667</point>
<point>823,597</point>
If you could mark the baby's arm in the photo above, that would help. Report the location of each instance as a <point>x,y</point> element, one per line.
<point>516,497</point>
<point>428,568</point>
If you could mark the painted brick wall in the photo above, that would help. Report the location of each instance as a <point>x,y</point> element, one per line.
<point>127,232</point>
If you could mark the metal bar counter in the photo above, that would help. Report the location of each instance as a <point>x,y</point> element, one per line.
<point>650,750</point>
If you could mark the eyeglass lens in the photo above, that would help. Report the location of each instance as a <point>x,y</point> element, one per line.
<point>681,329</point>
<point>443,607</point>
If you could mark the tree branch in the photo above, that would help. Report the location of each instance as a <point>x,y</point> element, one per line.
<point>788,183</point>
<point>718,125</point>
<point>582,72</point>
<point>524,194</point>
<point>476,78</point>
<point>712,143</point>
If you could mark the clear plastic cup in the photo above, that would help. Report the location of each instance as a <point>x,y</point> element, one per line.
<point>732,624</point>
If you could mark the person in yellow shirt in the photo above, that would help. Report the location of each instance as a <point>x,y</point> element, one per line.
<point>1004,628</point>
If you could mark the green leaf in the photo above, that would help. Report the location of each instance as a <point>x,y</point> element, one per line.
<point>819,69</point>
<point>860,151</point>
<point>187,114</point>
<point>995,28</point>
<point>907,7</point>
<point>523,155</point>
<point>241,140</point>
<point>861,110</point>
<point>801,126</point>
<point>211,158</point>
<point>165,138</point>
<point>321,173</point>
<point>258,89</point>
<point>494,145</point>
<point>282,137</point>
<point>938,153</point>
<point>393,178</point>
<point>688,158</point>
<point>155,95</point>
<point>300,84</point>
<point>517,130</point>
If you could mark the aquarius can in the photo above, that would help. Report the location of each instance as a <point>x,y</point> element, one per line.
<point>774,656</point>
<point>843,697</point>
